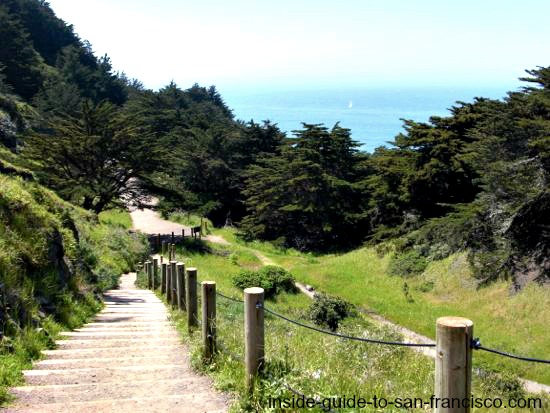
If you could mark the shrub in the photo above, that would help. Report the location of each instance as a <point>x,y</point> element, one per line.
<point>502,384</point>
<point>329,311</point>
<point>408,264</point>
<point>271,278</point>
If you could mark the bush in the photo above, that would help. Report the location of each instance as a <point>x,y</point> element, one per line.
<point>329,311</point>
<point>408,264</point>
<point>501,384</point>
<point>271,278</point>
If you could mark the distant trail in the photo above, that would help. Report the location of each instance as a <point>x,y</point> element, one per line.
<point>130,359</point>
<point>150,222</point>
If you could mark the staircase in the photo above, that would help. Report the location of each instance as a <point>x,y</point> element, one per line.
<point>129,359</point>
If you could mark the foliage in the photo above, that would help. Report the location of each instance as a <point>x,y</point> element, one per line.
<point>329,311</point>
<point>272,279</point>
<point>311,187</point>
<point>95,159</point>
<point>407,264</point>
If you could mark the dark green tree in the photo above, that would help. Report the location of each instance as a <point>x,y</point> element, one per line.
<point>97,159</point>
<point>20,60</point>
<point>309,196</point>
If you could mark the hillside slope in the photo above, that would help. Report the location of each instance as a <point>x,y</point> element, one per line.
<point>55,260</point>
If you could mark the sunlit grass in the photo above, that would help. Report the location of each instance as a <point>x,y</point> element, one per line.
<point>116,217</point>
<point>315,364</point>
<point>515,323</point>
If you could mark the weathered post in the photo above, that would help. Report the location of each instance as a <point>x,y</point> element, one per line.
<point>155,272</point>
<point>453,363</point>
<point>151,275</point>
<point>163,250</point>
<point>191,298</point>
<point>173,283</point>
<point>182,234</point>
<point>253,333</point>
<point>209,318</point>
<point>164,270</point>
<point>146,270</point>
<point>168,282</point>
<point>180,271</point>
<point>173,238</point>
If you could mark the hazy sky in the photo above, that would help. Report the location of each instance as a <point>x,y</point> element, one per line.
<point>305,43</point>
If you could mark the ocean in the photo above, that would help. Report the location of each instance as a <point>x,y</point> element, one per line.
<point>373,114</point>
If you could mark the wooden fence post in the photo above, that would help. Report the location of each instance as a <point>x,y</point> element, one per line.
<point>155,272</point>
<point>151,275</point>
<point>173,238</point>
<point>209,318</point>
<point>168,281</point>
<point>146,270</point>
<point>182,234</point>
<point>162,251</point>
<point>253,333</point>
<point>164,270</point>
<point>191,298</point>
<point>453,363</point>
<point>173,299</point>
<point>180,284</point>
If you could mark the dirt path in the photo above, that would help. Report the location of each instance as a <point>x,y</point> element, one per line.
<point>150,222</point>
<point>129,359</point>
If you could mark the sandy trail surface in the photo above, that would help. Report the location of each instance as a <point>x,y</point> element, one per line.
<point>128,359</point>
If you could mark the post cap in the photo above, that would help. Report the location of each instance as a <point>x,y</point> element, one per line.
<point>254,290</point>
<point>454,322</point>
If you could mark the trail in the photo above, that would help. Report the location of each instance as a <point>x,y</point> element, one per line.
<point>149,221</point>
<point>129,359</point>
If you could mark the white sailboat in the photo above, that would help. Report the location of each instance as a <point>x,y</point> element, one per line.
<point>350,104</point>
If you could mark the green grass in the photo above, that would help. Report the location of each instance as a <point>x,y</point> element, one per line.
<point>515,323</point>
<point>315,364</point>
<point>116,218</point>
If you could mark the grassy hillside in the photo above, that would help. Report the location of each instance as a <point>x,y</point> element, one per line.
<point>320,365</point>
<point>55,260</point>
<point>504,319</point>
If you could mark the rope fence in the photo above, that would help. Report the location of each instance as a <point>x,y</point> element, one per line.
<point>454,342</point>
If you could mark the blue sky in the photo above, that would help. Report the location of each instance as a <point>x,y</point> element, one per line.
<point>308,44</point>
